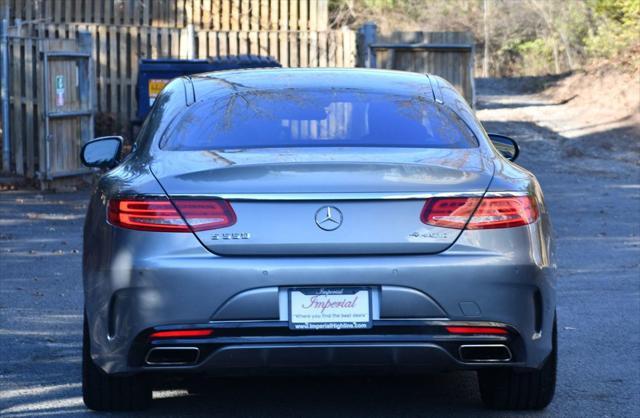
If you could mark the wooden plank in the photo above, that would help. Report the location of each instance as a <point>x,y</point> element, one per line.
<point>323,15</point>
<point>234,25</point>
<point>225,16</point>
<point>41,139</point>
<point>68,9</point>
<point>202,44</point>
<point>57,11</point>
<point>176,51</point>
<point>91,11</point>
<point>16,136</point>
<point>212,50</point>
<point>283,28</point>
<point>102,68</point>
<point>235,15</point>
<point>331,49</point>
<point>263,36</point>
<point>243,41</point>
<point>184,12</point>
<point>322,49</point>
<point>206,15</point>
<point>273,30</point>
<point>222,44</point>
<point>294,51</point>
<point>232,39</point>
<point>77,11</point>
<point>118,13</point>
<point>113,70</point>
<point>134,59</point>
<point>146,13</point>
<point>304,35</point>
<point>216,8</point>
<point>313,49</point>
<point>108,12</point>
<point>313,15</point>
<point>143,51</point>
<point>338,46</point>
<point>136,11</point>
<point>123,78</point>
<point>264,15</point>
<point>245,19</point>
<point>164,51</point>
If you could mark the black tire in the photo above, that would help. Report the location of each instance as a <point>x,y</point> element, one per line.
<point>102,392</point>
<point>508,389</point>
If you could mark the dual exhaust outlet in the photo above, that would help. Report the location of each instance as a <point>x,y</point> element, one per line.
<point>184,356</point>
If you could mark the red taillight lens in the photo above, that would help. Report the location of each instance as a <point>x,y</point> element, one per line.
<point>184,333</point>
<point>477,330</point>
<point>162,215</point>
<point>488,213</point>
<point>449,212</point>
<point>504,212</point>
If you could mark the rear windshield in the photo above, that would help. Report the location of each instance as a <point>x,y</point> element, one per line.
<point>291,118</point>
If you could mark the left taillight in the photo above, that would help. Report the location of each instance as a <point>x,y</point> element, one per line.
<point>480,213</point>
<point>166,216</point>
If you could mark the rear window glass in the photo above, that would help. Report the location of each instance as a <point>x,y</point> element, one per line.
<point>290,118</point>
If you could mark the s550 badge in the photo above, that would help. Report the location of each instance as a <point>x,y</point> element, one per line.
<point>230,236</point>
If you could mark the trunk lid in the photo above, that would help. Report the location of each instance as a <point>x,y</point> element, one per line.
<point>324,201</point>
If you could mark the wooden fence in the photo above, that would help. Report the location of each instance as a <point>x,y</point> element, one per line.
<point>224,15</point>
<point>447,54</point>
<point>117,50</point>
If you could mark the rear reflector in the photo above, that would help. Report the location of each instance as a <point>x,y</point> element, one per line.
<point>183,333</point>
<point>477,330</point>
<point>488,213</point>
<point>163,215</point>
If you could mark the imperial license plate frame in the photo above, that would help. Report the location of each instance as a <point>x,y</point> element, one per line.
<point>332,291</point>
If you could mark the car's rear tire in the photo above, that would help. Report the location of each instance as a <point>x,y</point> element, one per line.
<point>509,389</point>
<point>102,392</point>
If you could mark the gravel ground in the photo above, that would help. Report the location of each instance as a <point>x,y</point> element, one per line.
<point>594,198</point>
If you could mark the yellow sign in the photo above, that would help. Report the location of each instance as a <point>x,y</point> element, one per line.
<point>155,87</point>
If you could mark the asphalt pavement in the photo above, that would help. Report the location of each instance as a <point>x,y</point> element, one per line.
<point>595,205</point>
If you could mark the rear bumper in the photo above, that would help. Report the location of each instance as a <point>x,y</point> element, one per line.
<point>270,348</point>
<point>144,286</point>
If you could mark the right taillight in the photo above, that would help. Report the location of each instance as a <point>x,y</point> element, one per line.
<point>480,213</point>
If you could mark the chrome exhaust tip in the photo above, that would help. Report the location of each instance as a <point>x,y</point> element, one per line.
<point>484,353</point>
<point>172,356</point>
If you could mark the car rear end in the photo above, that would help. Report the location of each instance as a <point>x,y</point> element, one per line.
<point>290,257</point>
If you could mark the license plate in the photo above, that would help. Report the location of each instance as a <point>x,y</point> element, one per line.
<point>330,308</point>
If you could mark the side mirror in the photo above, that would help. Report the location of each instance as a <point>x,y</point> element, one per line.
<point>506,146</point>
<point>103,152</point>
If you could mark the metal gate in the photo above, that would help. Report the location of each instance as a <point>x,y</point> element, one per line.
<point>51,103</point>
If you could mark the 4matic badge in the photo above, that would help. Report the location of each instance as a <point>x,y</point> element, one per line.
<point>437,235</point>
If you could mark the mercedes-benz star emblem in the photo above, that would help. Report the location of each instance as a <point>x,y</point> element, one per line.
<point>328,218</point>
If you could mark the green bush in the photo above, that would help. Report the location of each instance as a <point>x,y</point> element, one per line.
<point>618,28</point>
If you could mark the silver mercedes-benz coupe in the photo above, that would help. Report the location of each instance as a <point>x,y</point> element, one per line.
<point>315,221</point>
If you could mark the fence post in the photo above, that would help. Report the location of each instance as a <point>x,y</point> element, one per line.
<point>366,37</point>
<point>4,94</point>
